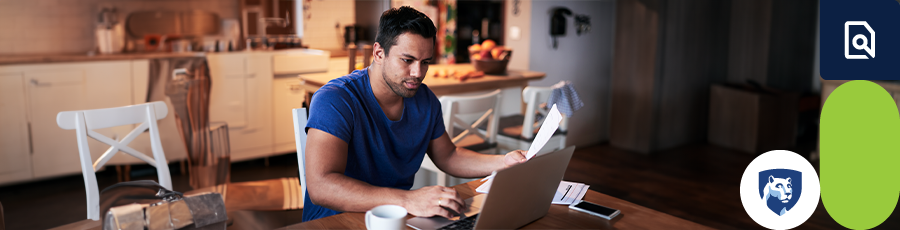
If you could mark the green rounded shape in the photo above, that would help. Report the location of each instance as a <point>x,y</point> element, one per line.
<point>860,150</point>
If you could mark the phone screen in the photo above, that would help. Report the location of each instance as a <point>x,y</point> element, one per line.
<point>595,208</point>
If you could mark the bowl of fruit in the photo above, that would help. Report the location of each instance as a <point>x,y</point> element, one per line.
<point>489,57</point>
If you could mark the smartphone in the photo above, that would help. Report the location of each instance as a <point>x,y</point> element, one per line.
<point>594,209</point>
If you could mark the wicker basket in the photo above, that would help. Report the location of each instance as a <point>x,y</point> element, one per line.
<point>493,66</point>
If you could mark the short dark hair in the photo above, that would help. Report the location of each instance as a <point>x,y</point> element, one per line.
<point>405,19</point>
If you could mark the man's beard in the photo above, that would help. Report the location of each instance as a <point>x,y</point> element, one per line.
<point>398,88</point>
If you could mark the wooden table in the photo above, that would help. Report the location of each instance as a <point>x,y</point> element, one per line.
<point>559,216</point>
<point>440,86</point>
<point>272,194</point>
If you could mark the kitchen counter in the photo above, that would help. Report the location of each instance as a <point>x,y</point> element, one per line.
<point>72,57</point>
<point>338,66</point>
<point>51,58</point>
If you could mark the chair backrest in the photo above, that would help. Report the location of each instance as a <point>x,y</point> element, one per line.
<point>534,97</point>
<point>84,123</point>
<point>300,118</point>
<point>485,106</point>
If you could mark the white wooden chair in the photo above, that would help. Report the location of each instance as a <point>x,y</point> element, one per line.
<point>518,131</point>
<point>456,111</point>
<point>86,121</point>
<point>300,119</point>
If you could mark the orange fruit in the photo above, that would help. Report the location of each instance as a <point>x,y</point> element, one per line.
<point>488,44</point>
<point>495,53</point>
<point>475,48</point>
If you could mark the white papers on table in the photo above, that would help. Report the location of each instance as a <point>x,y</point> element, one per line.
<point>569,192</point>
<point>484,188</point>
<point>551,123</point>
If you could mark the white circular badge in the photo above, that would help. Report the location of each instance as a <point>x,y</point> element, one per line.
<point>780,189</point>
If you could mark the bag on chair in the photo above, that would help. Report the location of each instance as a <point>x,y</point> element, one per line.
<point>146,204</point>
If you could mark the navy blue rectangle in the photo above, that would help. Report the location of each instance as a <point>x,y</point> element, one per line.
<point>883,16</point>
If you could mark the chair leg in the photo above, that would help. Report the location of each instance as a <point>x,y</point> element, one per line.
<point>127,173</point>
<point>442,179</point>
<point>2,222</point>
<point>119,177</point>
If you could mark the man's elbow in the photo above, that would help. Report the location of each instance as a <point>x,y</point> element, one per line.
<point>320,195</point>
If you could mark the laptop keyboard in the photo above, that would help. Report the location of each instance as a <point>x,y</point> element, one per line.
<point>467,223</point>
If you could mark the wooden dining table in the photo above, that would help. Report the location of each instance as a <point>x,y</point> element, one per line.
<point>440,86</point>
<point>632,216</point>
<point>263,195</point>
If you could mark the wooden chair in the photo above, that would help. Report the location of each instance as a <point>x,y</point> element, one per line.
<point>518,131</point>
<point>86,121</point>
<point>457,110</point>
<point>300,118</point>
<point>2,222</point>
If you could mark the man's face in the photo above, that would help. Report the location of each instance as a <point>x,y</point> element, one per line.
<point>405,67</point>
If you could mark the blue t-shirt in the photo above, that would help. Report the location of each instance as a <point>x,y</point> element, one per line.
<point>380,152</point>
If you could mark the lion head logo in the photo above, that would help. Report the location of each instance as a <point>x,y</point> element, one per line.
<point>780,189</point>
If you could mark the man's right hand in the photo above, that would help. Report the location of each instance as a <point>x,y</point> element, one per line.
<point>434,201</point>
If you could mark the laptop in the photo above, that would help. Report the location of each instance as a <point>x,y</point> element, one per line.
<point>519,195</point>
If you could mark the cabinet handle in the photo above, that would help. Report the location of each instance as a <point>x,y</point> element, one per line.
<point>35,82</point>
<point>30,138</point>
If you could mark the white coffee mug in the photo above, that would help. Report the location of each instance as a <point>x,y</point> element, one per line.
<point>386,217</point>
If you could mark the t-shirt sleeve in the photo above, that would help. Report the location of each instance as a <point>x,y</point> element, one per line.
<point>330,111</point>
<point>438,128</point>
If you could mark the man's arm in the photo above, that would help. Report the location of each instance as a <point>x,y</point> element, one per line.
<point>326,160</point>
<point>461,162</point>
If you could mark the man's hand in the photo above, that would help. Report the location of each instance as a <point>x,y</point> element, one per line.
<point>513,158</point>
<point>434,201</point>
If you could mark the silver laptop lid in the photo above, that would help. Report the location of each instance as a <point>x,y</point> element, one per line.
<point>522,193</point>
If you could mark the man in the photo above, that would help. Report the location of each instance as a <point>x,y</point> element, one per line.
<point>368,131</point>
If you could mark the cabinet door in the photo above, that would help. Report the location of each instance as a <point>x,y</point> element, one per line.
<point>15,157</point>
<point>258,135</point>
<point>50,92</point>
<point>286,95</point>
<point>228,97</point>
<point>53,88</point>
<point>241,97</point>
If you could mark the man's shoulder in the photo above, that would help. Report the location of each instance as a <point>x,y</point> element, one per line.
<point>343,86</point>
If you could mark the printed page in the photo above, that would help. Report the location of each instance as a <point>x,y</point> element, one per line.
<point>551,123</point>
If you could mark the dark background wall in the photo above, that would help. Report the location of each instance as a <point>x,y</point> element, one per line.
<point>669,52</point>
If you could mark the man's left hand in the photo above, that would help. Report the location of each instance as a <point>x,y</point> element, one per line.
<point>513,158</point>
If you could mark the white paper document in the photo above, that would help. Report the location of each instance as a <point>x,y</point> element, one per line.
<point>569,192</point>
<point>551,123</point>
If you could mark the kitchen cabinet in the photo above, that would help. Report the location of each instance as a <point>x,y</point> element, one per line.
<point>287,94</point>
<point>241,97</point>
<point>245,94</point>
<point>53,88</point>
<point>32,96</point>
<point>15,149</point>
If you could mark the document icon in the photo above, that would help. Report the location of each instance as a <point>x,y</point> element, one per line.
<point>860,42</point>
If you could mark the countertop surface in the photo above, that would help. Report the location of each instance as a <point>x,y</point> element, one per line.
<point>51,58</point>
<point>80,57</point>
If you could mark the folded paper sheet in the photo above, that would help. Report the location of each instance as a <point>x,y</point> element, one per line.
<point>547,129</point>
<point>569,192</point>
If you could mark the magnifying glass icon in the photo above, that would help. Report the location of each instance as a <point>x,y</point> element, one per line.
<point>864,45</point>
